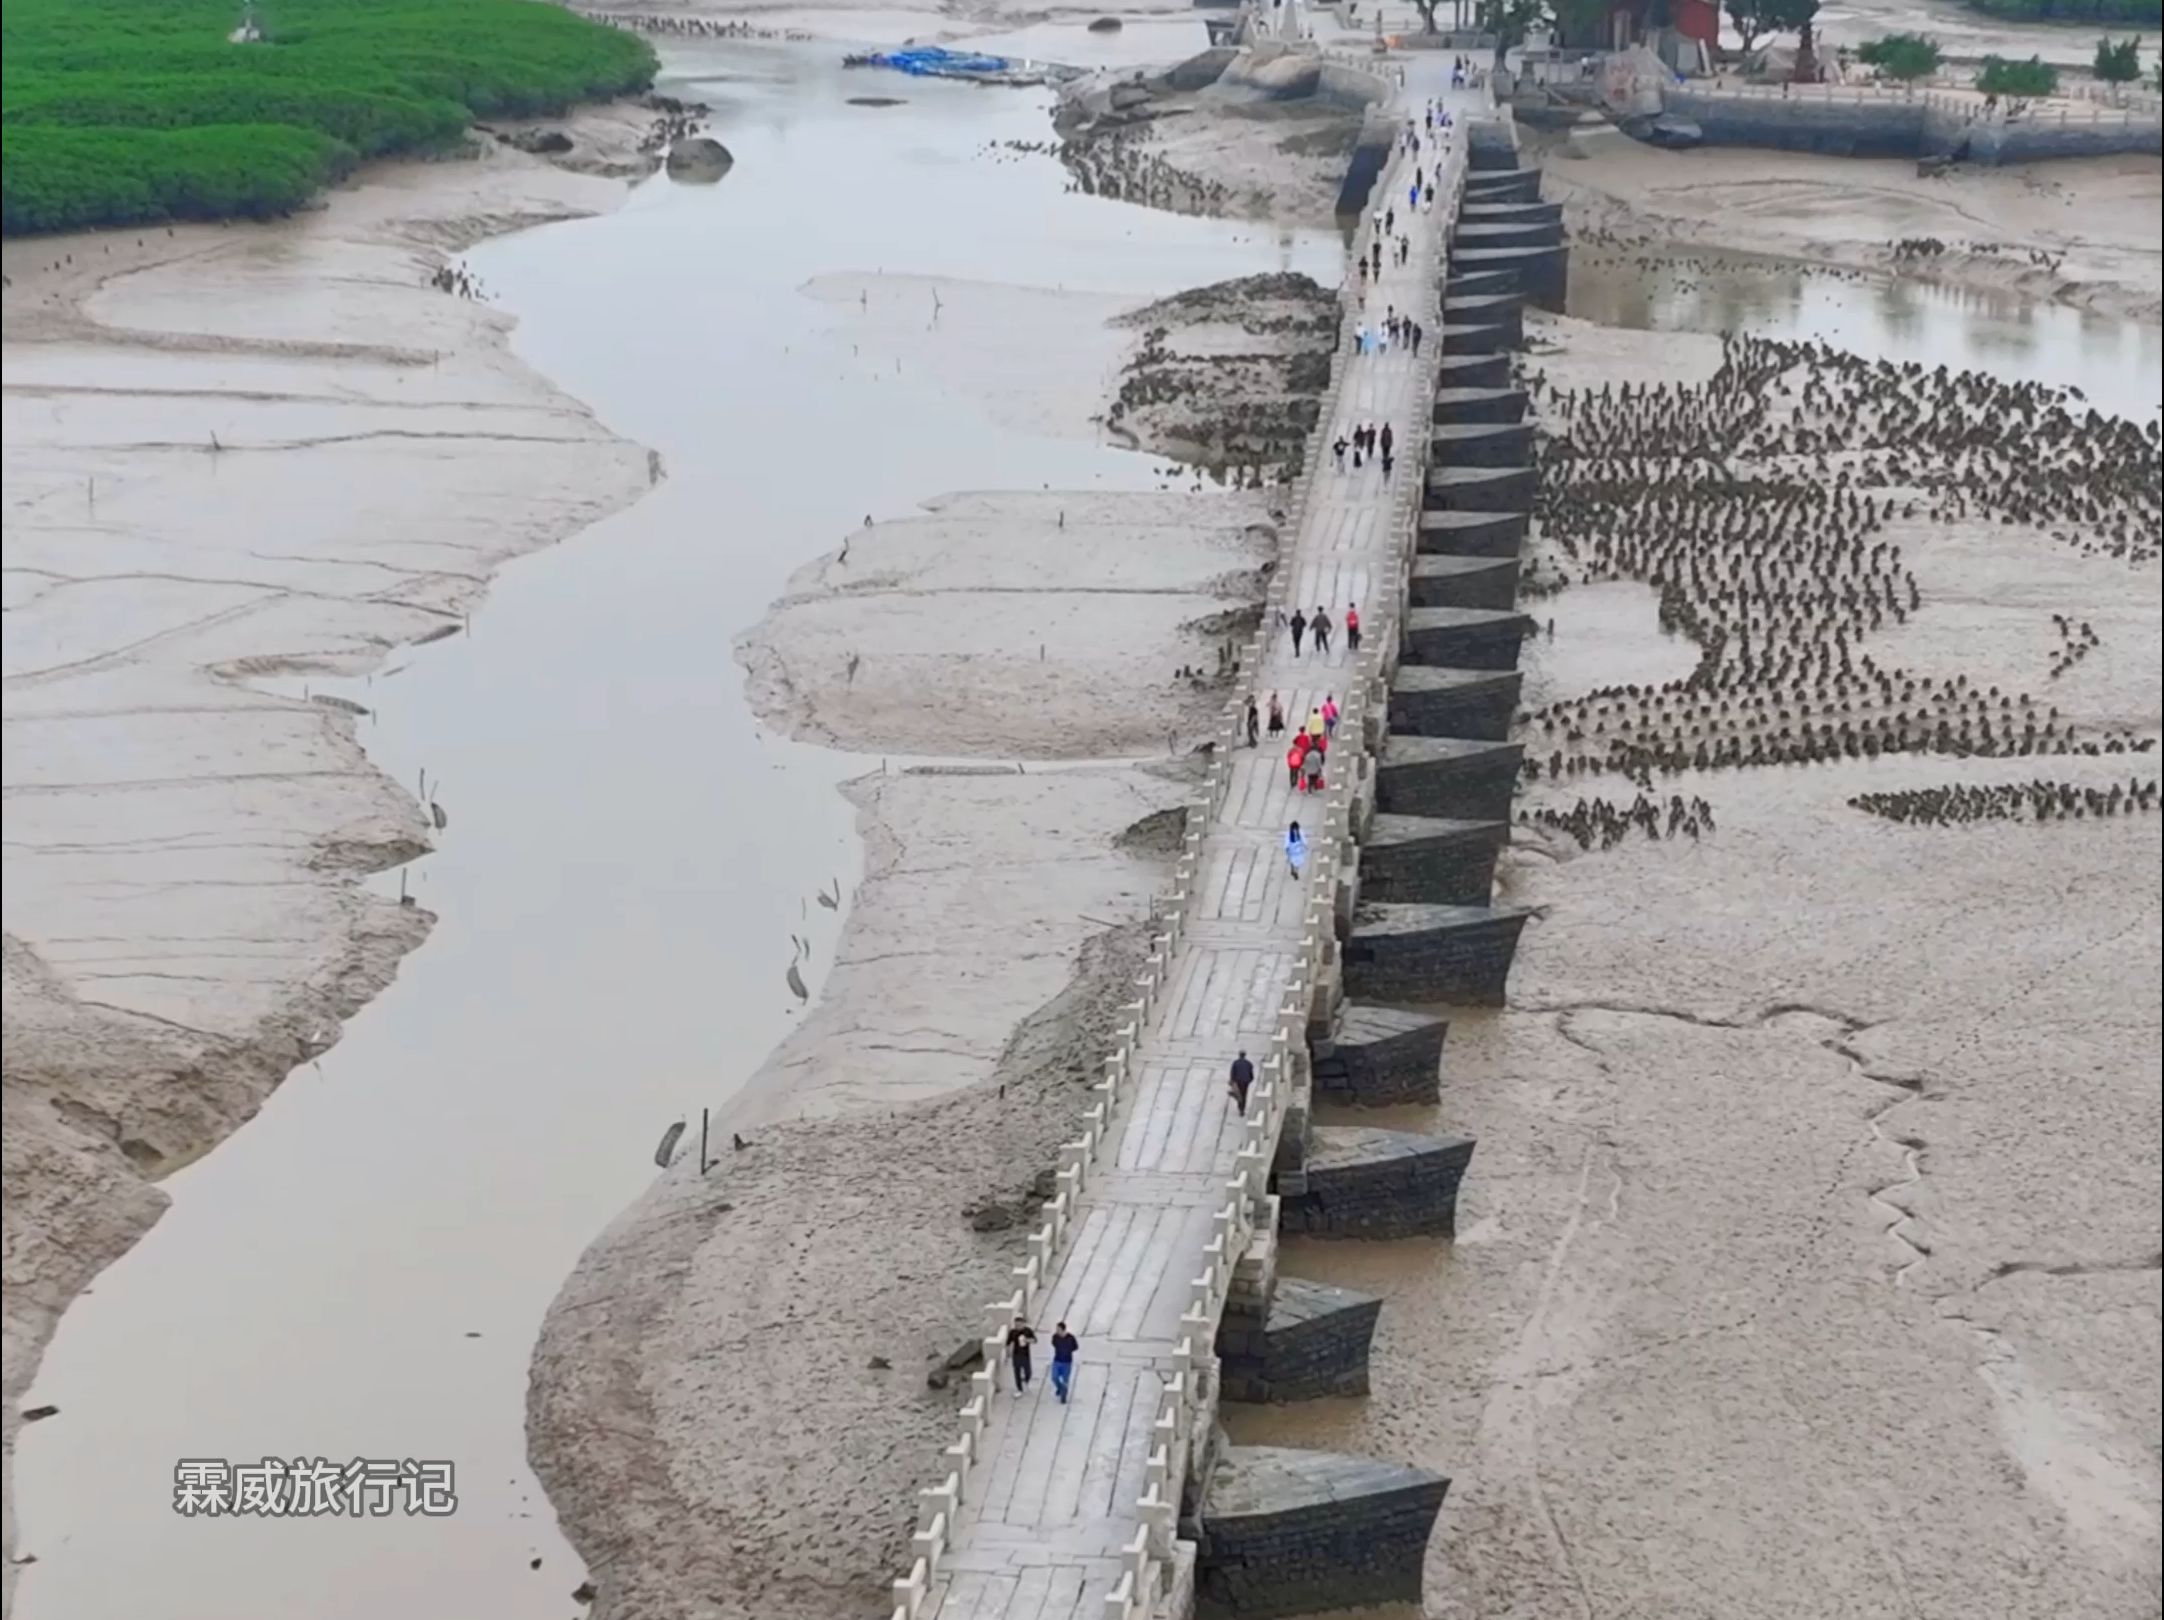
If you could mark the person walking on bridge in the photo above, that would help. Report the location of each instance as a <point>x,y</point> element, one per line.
<point>1299,629</point>
<point>1019,1338</point>
<point>1064,1345</point>
<point>1387,441</point>
<point>1243,1077</point>
<point>1319,625</point>
<point>1295,849</point>
<point>1277,718</point>
<point>1352,627</point>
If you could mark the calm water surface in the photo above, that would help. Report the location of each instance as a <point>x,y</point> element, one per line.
<point>2118,364</point>
<point>362,1270</point>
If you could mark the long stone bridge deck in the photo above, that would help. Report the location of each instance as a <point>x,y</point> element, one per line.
<point>1052,1519</point>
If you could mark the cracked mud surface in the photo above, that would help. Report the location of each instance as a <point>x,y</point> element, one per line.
<point>1808,1264</point>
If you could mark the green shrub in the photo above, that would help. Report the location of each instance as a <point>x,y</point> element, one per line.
<point>1901,56</point>
<point>2017,80</point>
<point>2118,61</point>
<point>120,111</point>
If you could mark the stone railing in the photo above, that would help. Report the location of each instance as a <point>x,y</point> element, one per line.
<point>1248,1206</point>
<point>1950,99</point>
<point>1249,1215</point>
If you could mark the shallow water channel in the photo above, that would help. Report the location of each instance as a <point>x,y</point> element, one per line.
<point>362,1270</point>
<point>2117,364</point>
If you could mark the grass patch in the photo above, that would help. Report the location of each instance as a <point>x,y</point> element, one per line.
<point>124,111</point>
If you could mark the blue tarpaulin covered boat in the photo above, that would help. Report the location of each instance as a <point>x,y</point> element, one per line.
<point>937,62</point>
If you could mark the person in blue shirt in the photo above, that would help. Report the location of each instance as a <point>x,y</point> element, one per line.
<point>1064,1345</point>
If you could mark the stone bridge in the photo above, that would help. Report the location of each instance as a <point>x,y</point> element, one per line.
<point>1160,1246</point>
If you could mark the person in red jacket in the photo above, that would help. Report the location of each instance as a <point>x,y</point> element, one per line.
<point>1295,757</point>
<point>1352,628</point>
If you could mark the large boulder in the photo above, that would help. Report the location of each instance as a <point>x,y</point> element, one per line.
<point>699,158</point>
<point>1202,70</point>
<point>1274,72</point>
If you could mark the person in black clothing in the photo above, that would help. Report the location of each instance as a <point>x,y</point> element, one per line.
<point>1299,629</point>
<point>1243,1076</point>
<point>1019,1338</point>
<point>1254,721</point>
<point>1064,1345</point>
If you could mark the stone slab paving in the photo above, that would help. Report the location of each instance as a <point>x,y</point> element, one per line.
<point>1055,1498</point>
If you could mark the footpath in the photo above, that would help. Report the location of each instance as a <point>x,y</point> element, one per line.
<point>1051,1510</point>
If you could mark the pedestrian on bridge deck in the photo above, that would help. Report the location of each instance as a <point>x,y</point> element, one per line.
<point>1352,622</point>
<point>1295,757</point>
<point>1019,1338</point>
<point>1064,1345</point>
<point>1299,629</point>
<point>1320,626</point>
<point>1243,1076</point>
<point>1277,718</point>
<point>1295,849</point>
<point>1254,722</point>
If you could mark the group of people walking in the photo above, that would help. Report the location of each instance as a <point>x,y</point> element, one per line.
<point>1318,629</point>
<point>1366,443</point>
<point>1021,1342</point>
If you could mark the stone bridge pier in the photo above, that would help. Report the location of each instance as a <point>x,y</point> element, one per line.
<point>1285,1532</point>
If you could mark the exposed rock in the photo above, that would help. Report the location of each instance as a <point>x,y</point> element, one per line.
<point>540,142</point>
<point>700,159</point>
<point>1106,25</point>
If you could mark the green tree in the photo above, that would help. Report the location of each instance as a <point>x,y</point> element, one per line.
<point>2118,61</point>
<point>1757,20</point>
<point>1748,19</point>
<point>1798,17</point>
<point>1907,57</point>
<point>2017,81</point>
<point>1510,21</point>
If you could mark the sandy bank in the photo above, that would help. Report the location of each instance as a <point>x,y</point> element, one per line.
<point>895,1138</point>
<point>1092,603</point>
<point>237,458</point>
<point>2092,220</point>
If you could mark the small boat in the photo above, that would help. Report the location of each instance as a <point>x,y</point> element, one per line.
<point>936,62</point>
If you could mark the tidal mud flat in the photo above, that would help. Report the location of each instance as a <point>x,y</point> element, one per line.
<point>512,1562</point>
<point>187,828</point>
<point>1812,1237</point>
<point>2080,232</point>
<point>896,1144</point>
<point>1644,1284</point>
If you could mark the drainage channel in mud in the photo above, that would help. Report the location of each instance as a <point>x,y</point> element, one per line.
<point>360,1272</point>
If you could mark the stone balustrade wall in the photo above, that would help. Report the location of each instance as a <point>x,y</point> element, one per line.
<point>1247,1223</point>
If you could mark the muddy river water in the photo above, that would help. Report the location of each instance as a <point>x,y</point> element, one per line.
<point>361,1271</point>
